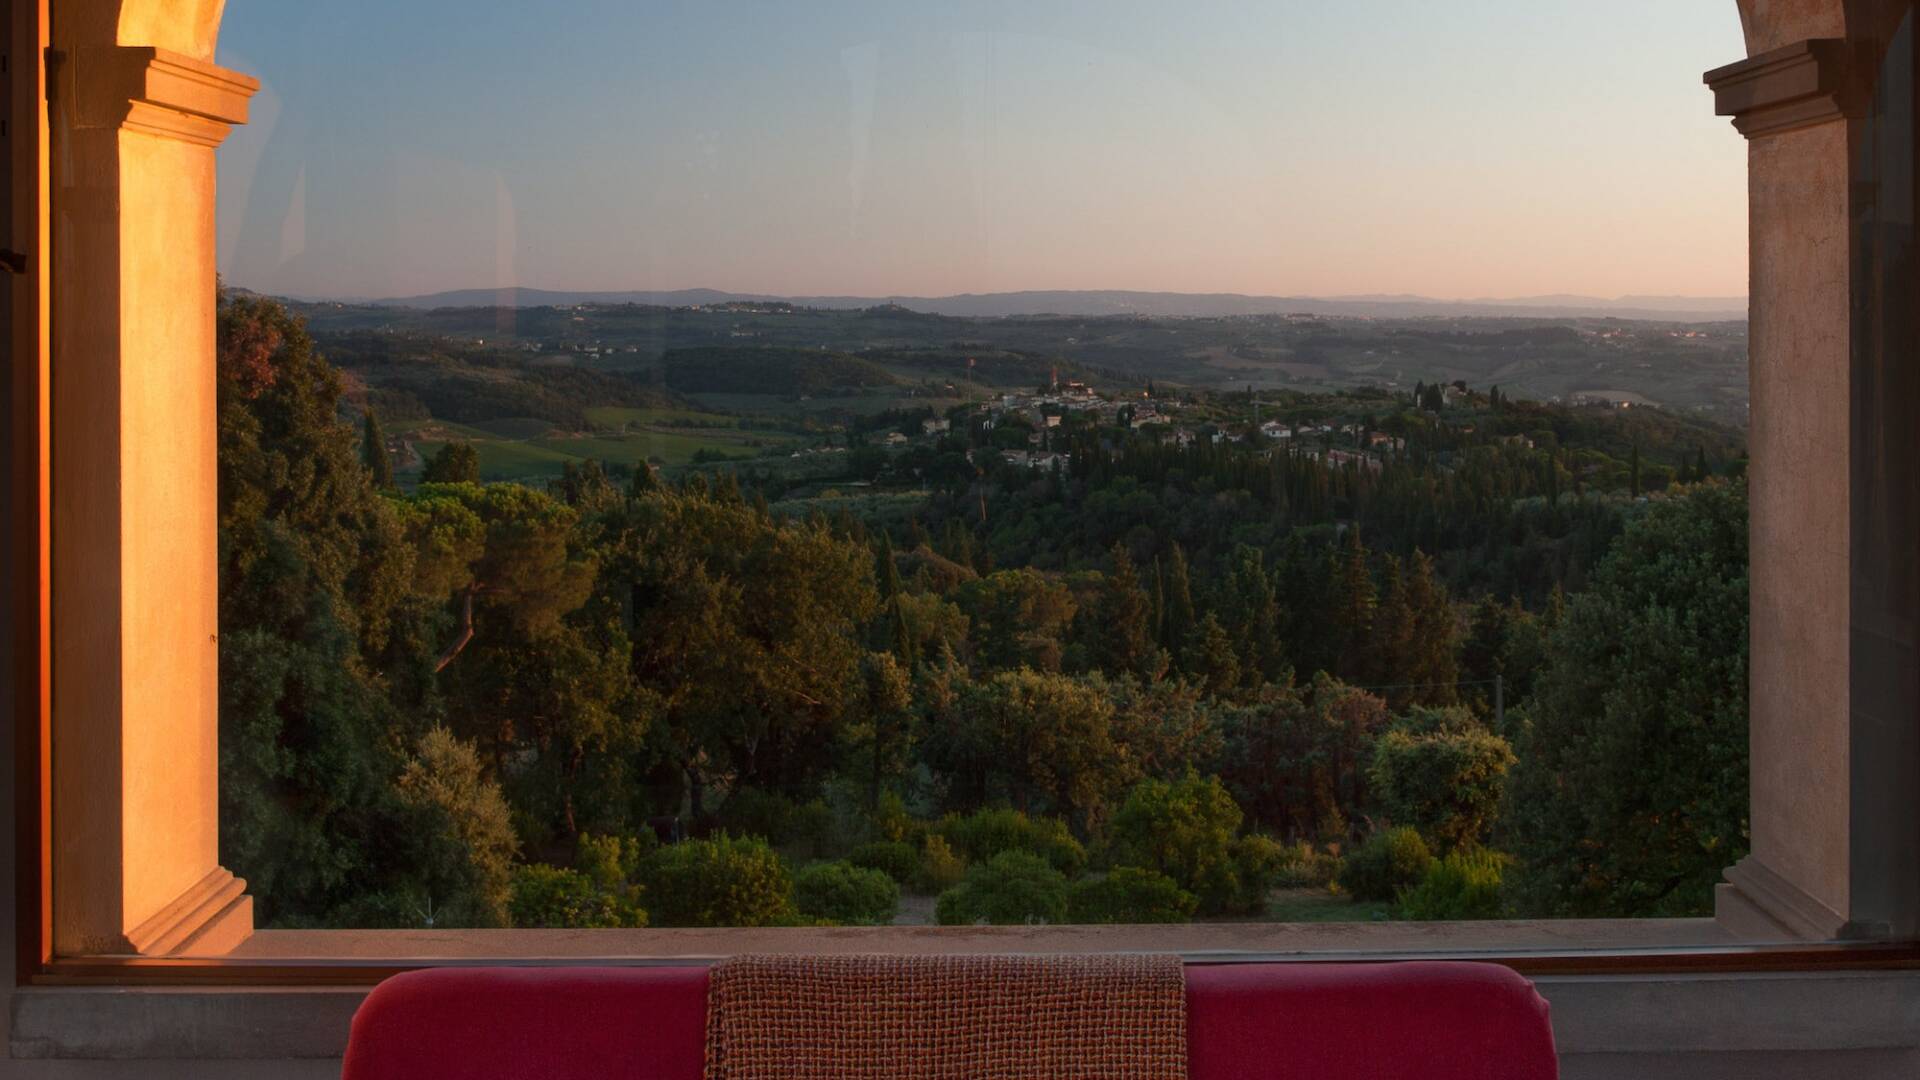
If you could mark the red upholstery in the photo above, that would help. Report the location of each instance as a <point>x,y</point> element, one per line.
<point>1432,1021</point>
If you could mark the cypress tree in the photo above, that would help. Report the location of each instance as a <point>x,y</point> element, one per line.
<point>373,452</point>
<point>456,463</point>
<point>1179,617</point>
<point>1634,468</point>
<point>1208,657</point>
<point>1430,653</point>
<point>1353,604</point>
<point>1125,639</point>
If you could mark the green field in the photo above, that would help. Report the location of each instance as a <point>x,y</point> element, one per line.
<point>618,418</point>
<point>853,404</point>
<point>536,458</point>
<point>1323,906</point>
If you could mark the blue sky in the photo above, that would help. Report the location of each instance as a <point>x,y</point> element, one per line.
<point>1299,147</point>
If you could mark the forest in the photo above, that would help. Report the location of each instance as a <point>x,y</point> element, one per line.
<point>1500,673</point>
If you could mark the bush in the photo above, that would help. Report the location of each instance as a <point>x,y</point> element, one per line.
<point>845,894</point>
<point>892,821</point>
<point>1130,895</point>
<point>897,859</point>
<point>1464,885</point>
<point>752,812</point>
<point>613,864</point>
<point>720,881</point>
<point>1388,862</point>
<point>984,834</point>
<point>1447,783</point>
<point>814,829</point>
<point>1184,830</point>
<point>1258,862</point>
<point>1013,888</point>
<point>941,868</point>
<point>554,898</point>
<point>1304,867</point>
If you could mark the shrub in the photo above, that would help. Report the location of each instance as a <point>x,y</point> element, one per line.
<point>1184,830</point>
<point>895,858</point>
<point>1447,783</point>
<point>750,811</point>
<point>987,833</point>
<point>843,893</point>
<point>1013,888</point>
<point>555,898</point>
<point>1130,895</point>
<point>892,821</point>
<point>1258,862</point>
<point>613,865</point>
<point>814,829</point>
<point>719,881</point>
<point>941,868</point>
<point>1464,885</point>
<point>1302,866</point>
<point>1388,862</point>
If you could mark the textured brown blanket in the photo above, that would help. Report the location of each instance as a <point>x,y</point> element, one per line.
<point>947,1017</point>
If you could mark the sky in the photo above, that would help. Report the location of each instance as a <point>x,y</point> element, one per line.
<point>1479,148</point>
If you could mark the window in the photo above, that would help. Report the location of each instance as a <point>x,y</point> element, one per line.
<point>431,698</point>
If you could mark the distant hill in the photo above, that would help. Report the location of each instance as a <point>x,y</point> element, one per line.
<point>723,370</point>
<point>1150,304</point>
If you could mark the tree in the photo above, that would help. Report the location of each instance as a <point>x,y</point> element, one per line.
<point>586,487</point>
<point>1123,631</point>
<point>1187,830</point>
<point>1177,622</point>
<point>501,548</point>
<point>456,463</point>
<point>883,720</point>
<point>1353,602</point>
<point>373,452</point>
<point>1209,658</point>
<point>1042,742</point>
<point>1630,796</point>
<point>314,577</point>
<point>746,629</point>
<point>1019,618</point>
<point>1448,784</point>
<point>1249,611</point>
<point>1428,662</point>
<point>461,833</point>
<point>1296,760</point>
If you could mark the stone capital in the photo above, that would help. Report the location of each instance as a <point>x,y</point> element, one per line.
<point>157,92</point>
<point>1796,86</point>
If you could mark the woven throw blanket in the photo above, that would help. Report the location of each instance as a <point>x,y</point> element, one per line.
<point>947,1018</point>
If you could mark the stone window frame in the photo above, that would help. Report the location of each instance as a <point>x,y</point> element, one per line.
<point>136,110</point>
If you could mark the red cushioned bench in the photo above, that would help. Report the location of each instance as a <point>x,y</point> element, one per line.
<point>1424,1021</point>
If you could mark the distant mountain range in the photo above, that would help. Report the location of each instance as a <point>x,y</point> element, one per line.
<point>1156,304</point>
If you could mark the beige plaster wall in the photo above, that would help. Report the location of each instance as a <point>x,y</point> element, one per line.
<point>1800,507</point>
<point>85,442</point>
<point>168,496</point>
<point>1772,23</point>
<point>183,26</point>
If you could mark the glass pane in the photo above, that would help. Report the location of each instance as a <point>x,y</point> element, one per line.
<point>737,464</point>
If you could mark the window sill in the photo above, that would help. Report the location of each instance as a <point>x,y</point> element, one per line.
<point>1617,986</point>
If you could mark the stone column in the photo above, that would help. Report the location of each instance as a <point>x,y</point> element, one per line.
<point>135,583</point>
<point>1836,772</point>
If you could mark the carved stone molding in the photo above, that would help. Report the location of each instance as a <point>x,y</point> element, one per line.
<point>1807,83</point>
<point>1759,904</point>
<point>151,90</point>
<point>210,918</point>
